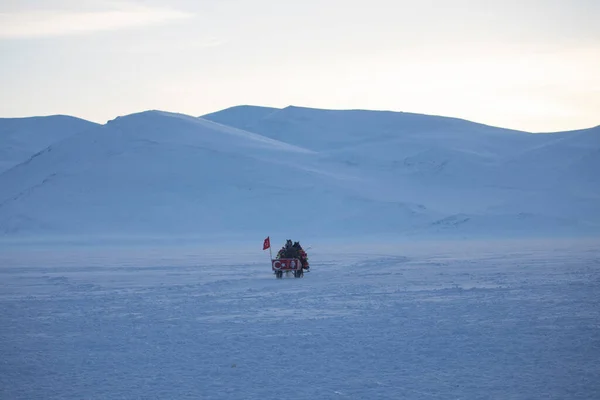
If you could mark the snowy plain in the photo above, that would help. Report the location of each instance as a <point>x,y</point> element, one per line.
<point>404,320</point>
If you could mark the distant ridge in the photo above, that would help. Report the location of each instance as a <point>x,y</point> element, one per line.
<point>243,115</point>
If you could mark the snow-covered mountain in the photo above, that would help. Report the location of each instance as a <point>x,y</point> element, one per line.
<point>482,179</point>
<point>158,173</point>
<point>320,129</point>
<point>20,138</point>
<point>257,171</point>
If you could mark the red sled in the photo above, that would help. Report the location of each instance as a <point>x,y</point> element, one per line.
<point>287,265</point>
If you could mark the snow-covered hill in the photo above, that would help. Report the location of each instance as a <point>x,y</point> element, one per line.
<point>320,129</point>
<point>20,138</point>
<point>255,171</point>
<point>482,180</point>
<point>161,174</point>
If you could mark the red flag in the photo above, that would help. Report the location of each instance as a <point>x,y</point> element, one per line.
<point>267,243</point>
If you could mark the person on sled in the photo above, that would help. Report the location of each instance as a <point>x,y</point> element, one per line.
<point>301,254</point>
<point>294,250</point>
<point>287,251</point>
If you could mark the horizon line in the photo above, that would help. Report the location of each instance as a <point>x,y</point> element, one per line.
<point>248,105</point>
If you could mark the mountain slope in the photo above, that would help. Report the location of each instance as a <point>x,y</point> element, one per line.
<point>20,138</point>
<point>466,171</point>
<point>166,174</point>
<point>319,129</point>
<point>573,157</point>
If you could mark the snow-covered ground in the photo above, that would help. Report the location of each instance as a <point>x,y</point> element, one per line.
<point>429,320</point>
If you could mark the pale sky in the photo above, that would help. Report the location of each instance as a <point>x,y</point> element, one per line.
<point>522,64</point>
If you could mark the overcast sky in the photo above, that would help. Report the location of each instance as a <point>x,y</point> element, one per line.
<point>524,64</point>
